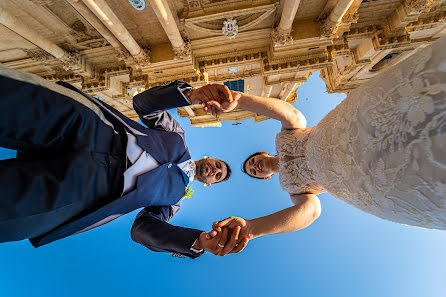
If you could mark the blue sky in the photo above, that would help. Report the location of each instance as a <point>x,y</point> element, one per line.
<point>344,253</point>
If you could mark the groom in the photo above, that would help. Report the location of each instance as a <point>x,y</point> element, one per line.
<point>81,163</point>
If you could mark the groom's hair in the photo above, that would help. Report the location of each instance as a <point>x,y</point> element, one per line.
<point>246,160</point>
<point>228,172</point>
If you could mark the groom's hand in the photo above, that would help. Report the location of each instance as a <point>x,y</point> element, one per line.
<point>244,227</point>
<point>215,107</point>
<point>213,92</point>
<point>236,242</point>
<point>214,244</point>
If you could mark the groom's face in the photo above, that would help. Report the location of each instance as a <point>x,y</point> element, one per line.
<point>211,170</point>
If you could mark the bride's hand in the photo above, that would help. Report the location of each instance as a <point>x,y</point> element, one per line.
<point>214,107</point>
<point>246,226</point>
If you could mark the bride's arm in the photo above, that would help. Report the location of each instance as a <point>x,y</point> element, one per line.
<point>290,117</point>
<point>306,210</point>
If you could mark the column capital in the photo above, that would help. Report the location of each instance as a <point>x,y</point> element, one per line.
<point>183,52</point>
<point>143,58</point>
<point>329,29</point>
<point>281,37</point>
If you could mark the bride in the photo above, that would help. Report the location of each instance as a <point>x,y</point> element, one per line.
<point>382,150</point>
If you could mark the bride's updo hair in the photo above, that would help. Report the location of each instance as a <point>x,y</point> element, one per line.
<point>249,157</point>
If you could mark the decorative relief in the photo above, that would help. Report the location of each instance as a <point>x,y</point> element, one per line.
<point>39,55</point>
<point>339,67</point>
<point>230,28</point>
<point>143,59</point>
<point>281,37</point>
<point>183,52</point>
<point>193,4</point>
<point>329,29</point>
<point>351,17</point>
<point>390,42</point>
<point>420,5</point>
<point>70,60</point>
<point>83,33</point>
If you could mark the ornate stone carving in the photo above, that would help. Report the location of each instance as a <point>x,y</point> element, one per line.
<point>193,3</point>
<point>83,33</point>
<point>351,17</point>
<point>281,37</point>
<point>39,55</point>
<point>143,59</point>
<point>230,28</point>
<point>328,29</point>
<point>123,54</point>
<point>183,52</point>
<point>70,61</point>
<point>264,55</point>
<point>420,5</point>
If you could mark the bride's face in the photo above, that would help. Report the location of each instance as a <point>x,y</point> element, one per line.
<point>260,166</point>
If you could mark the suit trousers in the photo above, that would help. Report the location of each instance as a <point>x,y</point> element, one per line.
<point>70,161</point>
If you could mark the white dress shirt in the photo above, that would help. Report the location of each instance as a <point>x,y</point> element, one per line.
<point>143,162</point>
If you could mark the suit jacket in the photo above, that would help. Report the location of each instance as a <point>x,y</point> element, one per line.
<point>159,190</point>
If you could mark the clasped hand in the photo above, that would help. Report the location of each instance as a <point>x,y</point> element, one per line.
<point>215,98</point>
<point>228,236</point>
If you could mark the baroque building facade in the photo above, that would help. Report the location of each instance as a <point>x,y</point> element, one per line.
<point>116,48</point>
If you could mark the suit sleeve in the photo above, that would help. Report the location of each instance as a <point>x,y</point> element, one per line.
<point>151,106</point>
<point>152,230</point>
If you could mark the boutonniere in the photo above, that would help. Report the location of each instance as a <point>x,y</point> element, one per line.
<point>188,192</point>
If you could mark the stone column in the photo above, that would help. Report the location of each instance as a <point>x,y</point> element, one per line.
<point>69,60</point>
<point>334,19</point>
<point>101,9</point>
<point>164,14</point>
<point>98,25</point>
<point>282,33</point>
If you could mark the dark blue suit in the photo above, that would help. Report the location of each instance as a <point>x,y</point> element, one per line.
<point>159,190</point>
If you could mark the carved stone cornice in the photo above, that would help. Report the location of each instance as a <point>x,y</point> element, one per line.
<point>228,59</point>
<point>39,55</point>
<point>339,49</point>
<point>243,75</point>
<point>300,65</point>
<point>323,55</point>
<point>425,23</point>
<point>249,54</point>
<point>366,31</point>
<point>420,5</point>
<point>70,60</point>
<point>390,42</point>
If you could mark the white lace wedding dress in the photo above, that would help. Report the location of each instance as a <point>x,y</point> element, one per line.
<point>383,149</point>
